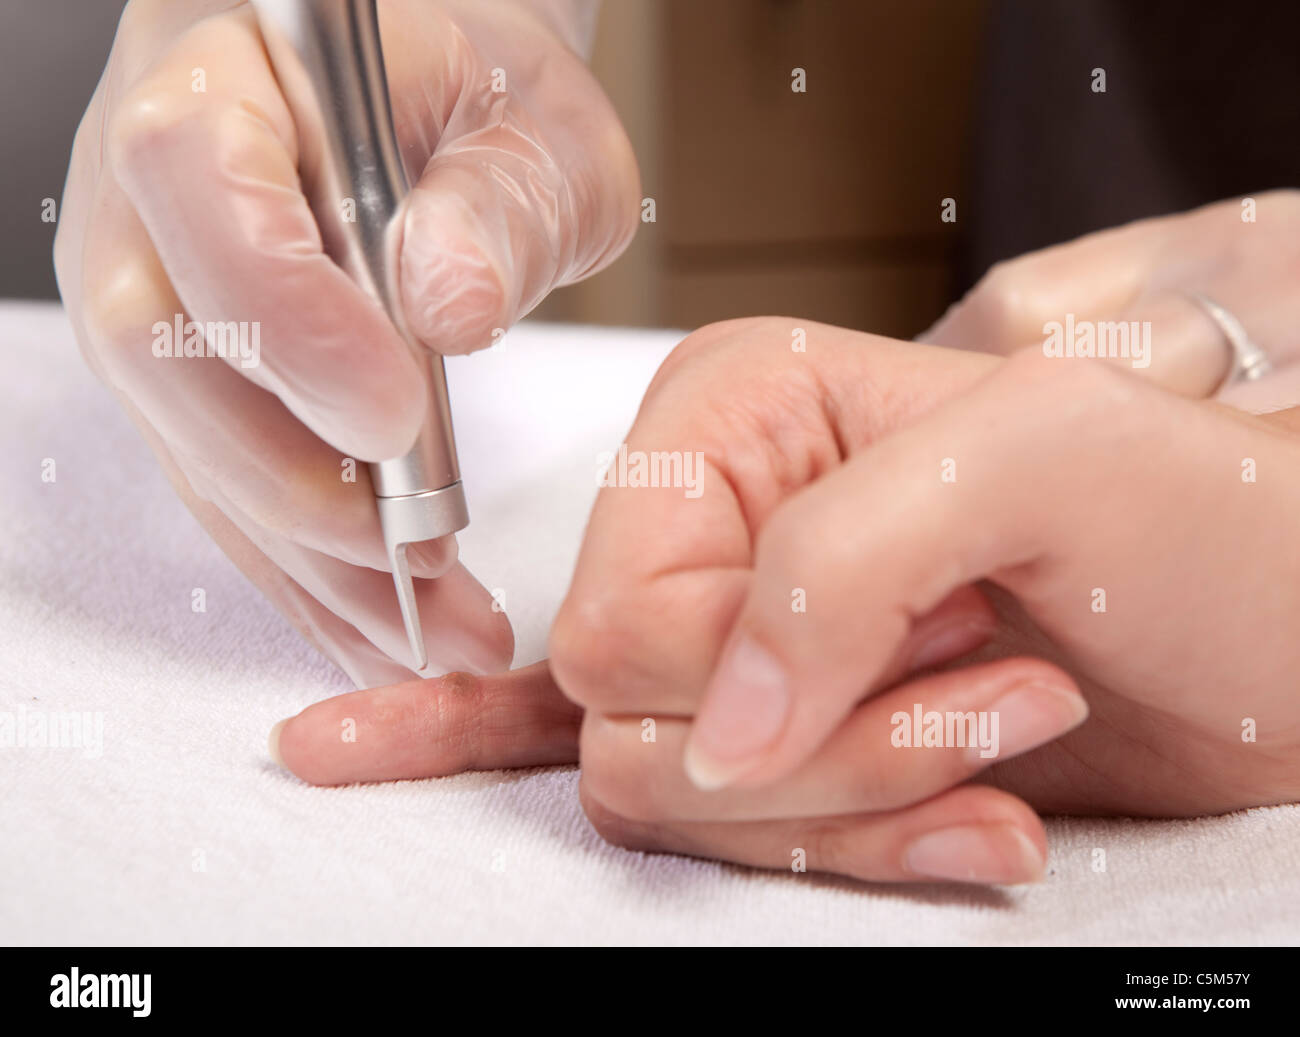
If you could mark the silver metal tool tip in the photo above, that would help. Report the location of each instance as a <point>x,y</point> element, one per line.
<point>410,610</point>
<point>413,519</point>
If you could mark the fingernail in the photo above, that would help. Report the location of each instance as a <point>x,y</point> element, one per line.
<point>1027,717</point>
<point>273,742</point>
<point>430,559</point>
<point>949,642</point>
<point>745,709</point>
<point>488,650</point>
<point>996,853</point>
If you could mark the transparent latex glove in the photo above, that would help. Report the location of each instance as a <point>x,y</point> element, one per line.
<point>183,199</point>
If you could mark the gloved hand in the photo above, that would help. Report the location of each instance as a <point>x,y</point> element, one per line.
<point>183,199</point>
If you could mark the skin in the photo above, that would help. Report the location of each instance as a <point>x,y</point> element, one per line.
<point>823,473</point>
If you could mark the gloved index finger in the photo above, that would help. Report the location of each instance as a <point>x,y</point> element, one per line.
<point>213,176</point>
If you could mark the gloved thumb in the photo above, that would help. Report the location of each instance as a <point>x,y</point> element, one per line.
<point>498,219</point>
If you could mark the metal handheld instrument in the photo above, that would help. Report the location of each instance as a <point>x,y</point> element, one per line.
<point>329,63</point>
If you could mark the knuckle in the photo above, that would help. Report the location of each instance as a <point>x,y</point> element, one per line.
<point>705,343</point>
<point>147,122</point>
<point>590,645</point>
<point>616,768</point>
<point>120,311</point>
<point>607,824</point>
<point>613,828</point>
<point>1000,303</point>
<point>710,337</point>
<point>455,298</point>
<point>460,717</point>
<point>577,659</point>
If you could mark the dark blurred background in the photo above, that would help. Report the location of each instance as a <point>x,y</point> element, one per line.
<point>826,204</point>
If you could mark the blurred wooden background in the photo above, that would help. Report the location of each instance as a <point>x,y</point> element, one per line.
<point>824,204</point>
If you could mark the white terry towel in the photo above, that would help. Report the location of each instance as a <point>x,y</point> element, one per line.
<point>183,831</point>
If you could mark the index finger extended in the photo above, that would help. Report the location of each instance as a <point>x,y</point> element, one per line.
<point>430,728</point>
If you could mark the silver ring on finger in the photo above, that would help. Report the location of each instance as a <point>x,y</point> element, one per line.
<point>1249,362</point>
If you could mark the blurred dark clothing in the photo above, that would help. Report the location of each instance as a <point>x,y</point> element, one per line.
<point>1202,102</point>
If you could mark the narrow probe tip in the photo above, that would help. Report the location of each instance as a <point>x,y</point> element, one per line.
<point>410,610</point>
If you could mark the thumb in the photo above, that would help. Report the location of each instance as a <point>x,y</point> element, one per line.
<point>497,221</point>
